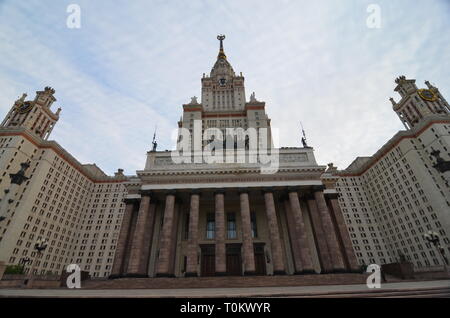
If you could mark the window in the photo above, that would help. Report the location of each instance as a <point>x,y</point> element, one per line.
<point>254,225</point>
<point>186,226</point>
<point>210,226</point>
<point>231,225</point>
<point>184,264</point>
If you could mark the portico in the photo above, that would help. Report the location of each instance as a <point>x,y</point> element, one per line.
<point>236,230</point>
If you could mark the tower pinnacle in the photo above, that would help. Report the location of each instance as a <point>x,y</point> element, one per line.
<point>221,55</point>
<point>35,115</point>
<point>416,104</point>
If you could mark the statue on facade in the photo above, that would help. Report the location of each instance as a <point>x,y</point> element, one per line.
<point>194,100</point>
<point>331,167</point>
<point>21,99</point>
<point>154,143</point>
<point>305,144</point>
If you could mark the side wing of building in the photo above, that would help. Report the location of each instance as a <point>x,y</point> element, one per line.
<point>390,200</point>
<point>76,207</point>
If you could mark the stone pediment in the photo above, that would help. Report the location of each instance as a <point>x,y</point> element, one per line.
<point>285,157</point>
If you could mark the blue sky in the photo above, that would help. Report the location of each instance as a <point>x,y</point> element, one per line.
<point>132,64</point>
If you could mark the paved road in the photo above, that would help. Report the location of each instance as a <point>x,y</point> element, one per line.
<point>218,292</point>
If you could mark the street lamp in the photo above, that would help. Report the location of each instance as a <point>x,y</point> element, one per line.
<point>23,261</point>
<point>434,238</point>
<point>40,247</point>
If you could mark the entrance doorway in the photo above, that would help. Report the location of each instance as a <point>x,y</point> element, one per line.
<point>208,260</point>
<point>234,260</point>
<point>260,259</point>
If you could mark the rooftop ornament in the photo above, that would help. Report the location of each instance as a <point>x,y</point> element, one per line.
<point>441,165</point>
<point>222,55</point>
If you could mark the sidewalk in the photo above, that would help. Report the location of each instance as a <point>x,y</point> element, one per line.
<point>226,292</point>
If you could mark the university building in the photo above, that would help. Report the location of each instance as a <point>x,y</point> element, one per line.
<point>225,201</point>
<point>391,199</point>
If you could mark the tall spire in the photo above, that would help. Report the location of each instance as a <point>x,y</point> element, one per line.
<point>222,68</point>
<point>221,55</point>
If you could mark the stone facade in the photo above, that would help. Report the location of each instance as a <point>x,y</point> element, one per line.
<point>226,218</point>
<point>231,218</point>
<point>391,199</point>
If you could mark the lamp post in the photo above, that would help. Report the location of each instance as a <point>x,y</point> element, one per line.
<point>434,238</point>
<point>40,247</point>
<point>23,261</point>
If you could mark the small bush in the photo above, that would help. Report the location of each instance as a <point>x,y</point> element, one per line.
<point>363,268</point>
<point>14,269</point>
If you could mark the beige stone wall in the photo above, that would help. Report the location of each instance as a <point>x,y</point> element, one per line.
<point>392,204</point>
<point>99,229</point>
<point>60,203</point>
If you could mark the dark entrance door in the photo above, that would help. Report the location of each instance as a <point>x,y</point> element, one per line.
<point>260,259</point>
<point>208,261</point>
<point>234,261</point>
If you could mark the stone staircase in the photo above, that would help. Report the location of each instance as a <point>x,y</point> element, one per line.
<point>276,286</point>
<point>437,292</point>
<point>226,282</point>
<point>318,286</point>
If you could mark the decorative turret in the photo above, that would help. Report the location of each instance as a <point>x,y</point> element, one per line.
<point>34,115</point>
<point>417,104</point>
<point>405,86</point>
<point>45,97</point>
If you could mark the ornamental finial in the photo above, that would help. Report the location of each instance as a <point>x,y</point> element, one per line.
<point>221,37</point>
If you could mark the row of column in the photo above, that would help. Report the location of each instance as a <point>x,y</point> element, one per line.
<point>135,238</point>
<point>134,242</point>
<point>330,234</point>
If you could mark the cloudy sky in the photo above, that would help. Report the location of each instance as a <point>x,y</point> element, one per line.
<point>132,64</point>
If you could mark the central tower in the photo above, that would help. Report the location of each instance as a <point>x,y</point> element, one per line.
<point>223,103</point>
<point>223,90</point>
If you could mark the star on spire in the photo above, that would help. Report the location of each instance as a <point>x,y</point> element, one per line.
<point>221,55</point>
